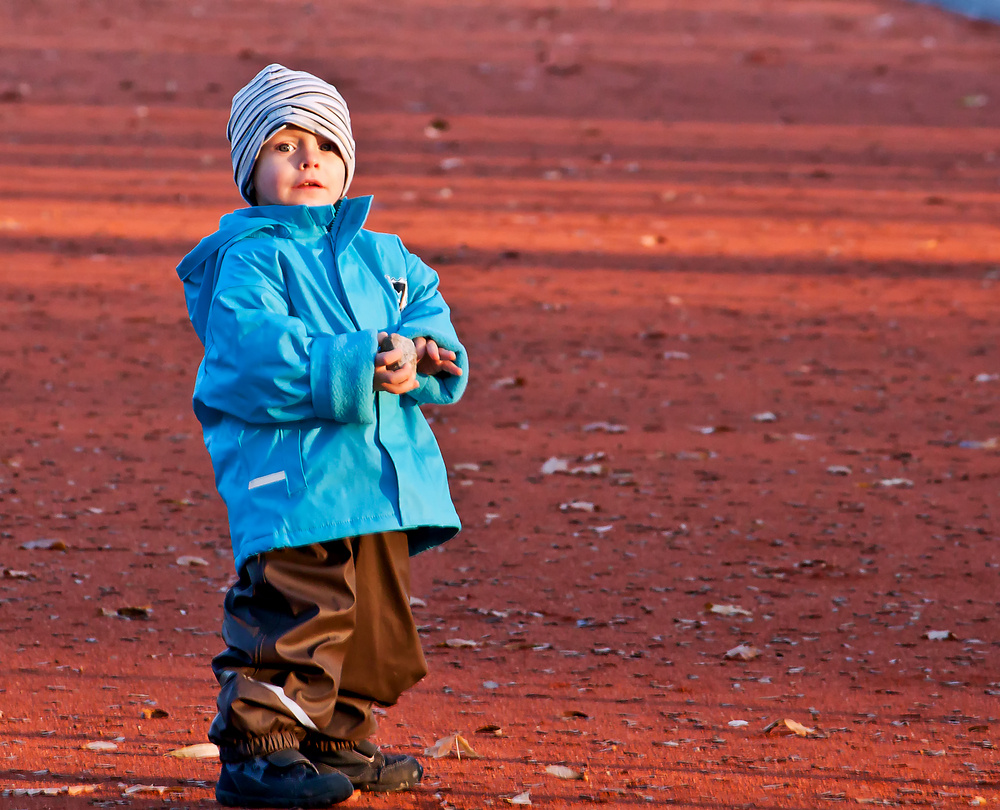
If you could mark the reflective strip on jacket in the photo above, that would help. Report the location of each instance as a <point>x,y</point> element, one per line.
<point>288,301</point>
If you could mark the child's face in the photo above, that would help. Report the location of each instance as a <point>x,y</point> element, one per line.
<point>296,167</point>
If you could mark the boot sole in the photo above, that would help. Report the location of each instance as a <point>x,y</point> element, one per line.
<point>227,799</point>
<point>372,787</point>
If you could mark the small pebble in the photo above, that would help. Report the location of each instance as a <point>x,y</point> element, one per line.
<point>394,341</point>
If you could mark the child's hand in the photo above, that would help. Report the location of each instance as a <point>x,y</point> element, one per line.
<point>398,381</point>
<point>432,359</point>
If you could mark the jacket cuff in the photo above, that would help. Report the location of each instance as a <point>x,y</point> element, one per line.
<point>441,389</point>
<point>341,369</point>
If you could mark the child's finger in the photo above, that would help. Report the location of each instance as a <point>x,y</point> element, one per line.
<point>386,359</point>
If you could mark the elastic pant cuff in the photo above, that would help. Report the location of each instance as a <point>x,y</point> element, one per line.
<point>325,745</point>
<point>253,747</point>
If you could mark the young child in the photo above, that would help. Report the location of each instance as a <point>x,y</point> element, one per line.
<point>329,471</point>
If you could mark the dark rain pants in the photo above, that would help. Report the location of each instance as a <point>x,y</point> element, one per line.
<point>316,636</point>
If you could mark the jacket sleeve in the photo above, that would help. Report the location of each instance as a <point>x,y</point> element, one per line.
<point>427,315</point>
<point>260,363</point>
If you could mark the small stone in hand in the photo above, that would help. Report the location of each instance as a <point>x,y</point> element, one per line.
<point>394,341</point>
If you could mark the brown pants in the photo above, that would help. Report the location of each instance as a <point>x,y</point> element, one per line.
<point>316,635</point>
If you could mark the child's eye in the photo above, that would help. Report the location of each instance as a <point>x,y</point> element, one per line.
<point>283,147</point>
<point>327,147</point>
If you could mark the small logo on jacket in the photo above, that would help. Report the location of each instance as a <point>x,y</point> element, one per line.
<point>399,285</point>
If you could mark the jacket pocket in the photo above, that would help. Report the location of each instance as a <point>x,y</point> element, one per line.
<point>271,460</point>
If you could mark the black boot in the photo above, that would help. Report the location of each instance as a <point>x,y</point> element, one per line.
<point>285,778</point>
<point>367,767</point>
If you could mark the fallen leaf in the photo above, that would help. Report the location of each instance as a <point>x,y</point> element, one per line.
<point>101,745</point>
<point>792,726</point>
<point>44,544</point>
<point>490,728</point>
<point>458,643</point>
<point>727,610</point>
<point>743,652</point>
<point>574,714</point>
<point>68,790</point>
<point>416,601</point>
<point>939,635</point>
<point>154,714</point>
<point>766,416</point>
<point>520,798</point>
<point>197,751</point>
<point>973,444</point>
<point>607,427</point>
<point>895,482</point>
<point>554,465</point>
<point>191,561</point>
<point>562,772</point>
<point>737,723</point>
<point>577,506</point>
<point>157,789</point>
<point>838,469</point>
<point>452,744</point>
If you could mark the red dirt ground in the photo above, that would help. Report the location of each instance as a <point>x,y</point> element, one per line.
<point>654,227</point>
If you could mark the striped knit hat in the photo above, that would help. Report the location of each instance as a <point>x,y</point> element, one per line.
<point>276,98</point>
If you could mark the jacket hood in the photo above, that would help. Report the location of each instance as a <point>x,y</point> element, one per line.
<point>199,270</point>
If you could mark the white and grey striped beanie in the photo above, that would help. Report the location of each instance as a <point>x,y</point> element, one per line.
<point>275,98</point>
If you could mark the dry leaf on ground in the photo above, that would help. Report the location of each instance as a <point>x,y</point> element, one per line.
<point>787,727</point>
<point>743,652</point>
<point>458,643</point>
<point>45,544</point>
<point>197,751</point>
<point>727,610</point>
<point>452,744</point>
<point>520,798</point>
<point>577,506</point>
<point>68,790</point>
<point>563,772</point>
<point>101,745</point>
<point>159,790</point>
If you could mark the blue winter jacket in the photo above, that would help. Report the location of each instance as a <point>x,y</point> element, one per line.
<point>288,301</point>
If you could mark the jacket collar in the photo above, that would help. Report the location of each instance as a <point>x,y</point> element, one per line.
<point>343,220</point>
